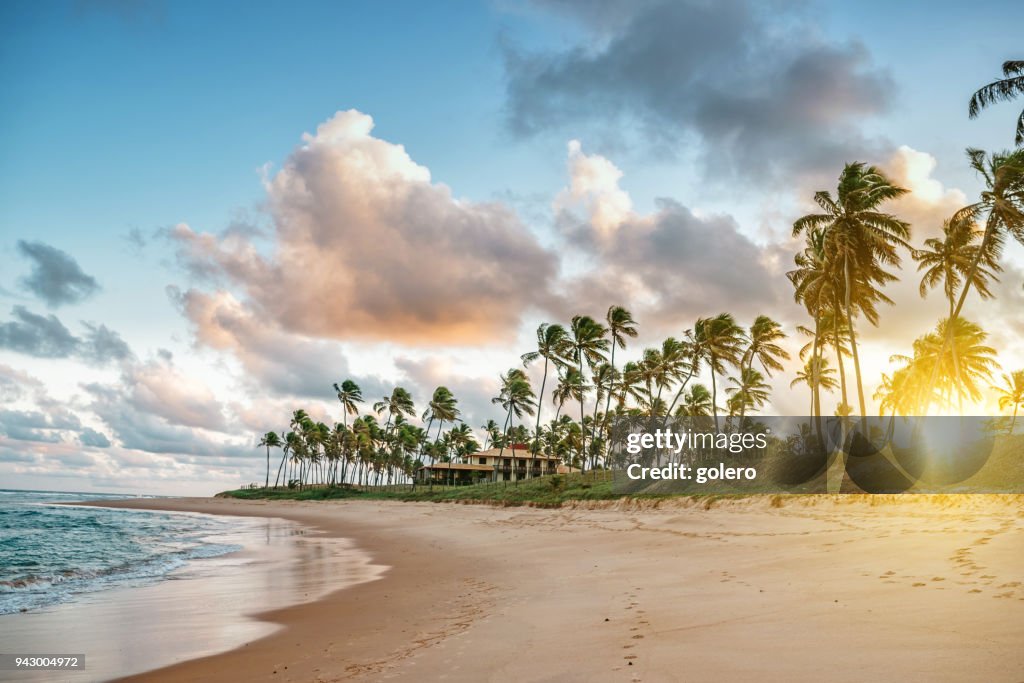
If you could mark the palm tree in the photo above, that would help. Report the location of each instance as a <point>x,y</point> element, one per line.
<point>749,391</point>
<point>604,379</point>
<point>350,396</point>
<point>516,397</point>
<point>493,432</point>
<point>571,386</point>
<point>1002,205</point>
<point>948,260</point>
<point>817,375</point>
<point>588,344</point>
<point>893,394</point>
<point>269,440</point>
<point>442,407</point>
<point>1002,90</point>
<point>696,403</point>
<point>719,340</point>
<point>1012,395</point>
<point>399,403</point>
<point>763,345</point>
<point>620,327</point>
<point>553,347</point>
<point>935,375</point>
<point>860,239</point>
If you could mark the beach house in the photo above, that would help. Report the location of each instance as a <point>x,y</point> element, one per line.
<point>512,463</point>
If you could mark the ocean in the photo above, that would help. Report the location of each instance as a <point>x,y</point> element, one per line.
<point>51,554</point>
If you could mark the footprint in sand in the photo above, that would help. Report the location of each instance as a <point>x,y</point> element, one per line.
<point>919,584</point>
<point>974,590</point>
<point>938,578</point>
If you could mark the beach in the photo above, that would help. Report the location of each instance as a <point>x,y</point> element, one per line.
<point>850,588</point>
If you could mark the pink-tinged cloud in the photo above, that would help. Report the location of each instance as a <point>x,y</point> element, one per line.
<point>365,245</point>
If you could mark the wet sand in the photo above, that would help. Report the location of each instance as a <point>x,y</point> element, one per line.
<point>848,588</point>
<point>200,609</point>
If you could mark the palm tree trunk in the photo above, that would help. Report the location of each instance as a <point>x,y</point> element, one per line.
<point>608,398</point>
<point>838,343</point>
<point>853,346</point>
<point>583,432</point>
<point>540,403</point>
<point>679,394</point>
<point>714,393</point>
<point>284,458</point>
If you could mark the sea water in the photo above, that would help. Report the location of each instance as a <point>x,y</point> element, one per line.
<point>51,553</point>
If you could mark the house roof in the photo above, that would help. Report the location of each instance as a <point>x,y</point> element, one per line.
<point>457,466</point>
<point>516,451</point>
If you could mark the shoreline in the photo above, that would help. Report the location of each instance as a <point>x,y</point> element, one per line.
<point>301,648</point>
<point>928,589</point>
<point>201,608</point>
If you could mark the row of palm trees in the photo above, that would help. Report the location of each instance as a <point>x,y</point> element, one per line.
<point>852,248</point>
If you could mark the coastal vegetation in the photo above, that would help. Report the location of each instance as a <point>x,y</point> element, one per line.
<point>852,252</point>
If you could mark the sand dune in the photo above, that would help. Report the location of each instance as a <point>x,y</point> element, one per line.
<point>843,588</point>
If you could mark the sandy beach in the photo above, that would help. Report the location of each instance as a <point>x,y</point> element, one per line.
<point>849,588</point>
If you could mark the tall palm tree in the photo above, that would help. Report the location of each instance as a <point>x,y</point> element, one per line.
<point>588,344</point>
<point>350,396</point>
<point>1011,394</point>
<point>621,326</point>
<point>948,261</point>
<point>604,379</point>
<point>1001,204</point>
<point>720,341</point>
<point>553,347</point>
<point>269,440</point>
<point>1002,90</point>
<point>516,397</point>
<point>860,238</point>
<point>442,407</point>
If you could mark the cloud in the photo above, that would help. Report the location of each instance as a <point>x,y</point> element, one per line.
<point>90,437</point>
<point>34,425</point>
<point>669,266</point>
<point>272,359</point>
<point>15,384</point>
<point>757,86</point>
<point>156,408</point>
<point>365,245</point>
<point>102,345</point>
<point>37,335</point>
<point>47,337</point>
<point>56,277</point>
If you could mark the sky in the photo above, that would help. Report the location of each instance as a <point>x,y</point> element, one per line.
<point>210,212</point>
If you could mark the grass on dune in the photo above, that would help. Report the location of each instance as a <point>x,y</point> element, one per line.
<point>543,491</point>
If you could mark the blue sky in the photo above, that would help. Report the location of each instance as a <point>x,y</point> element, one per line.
<point>123,116</point>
